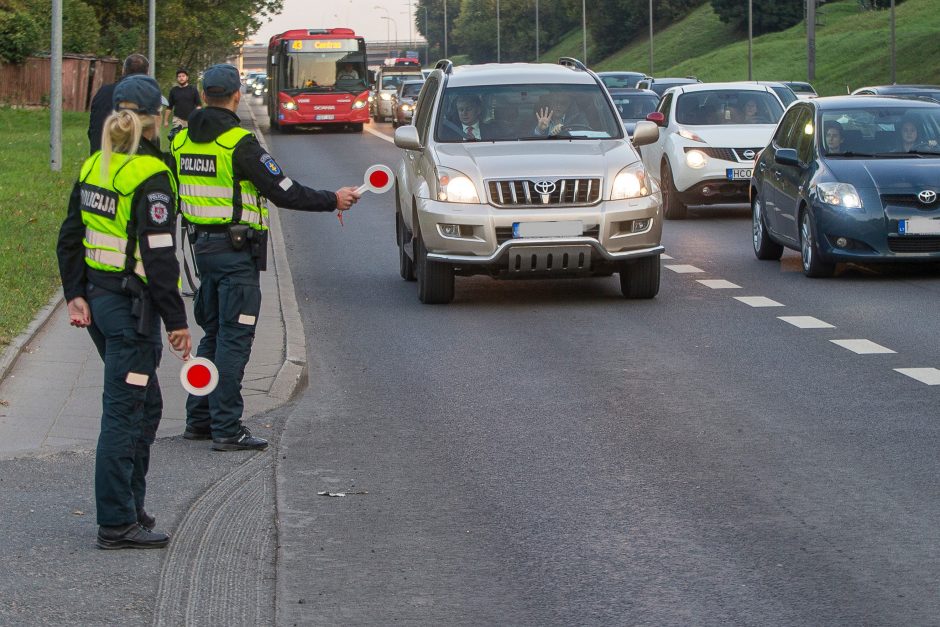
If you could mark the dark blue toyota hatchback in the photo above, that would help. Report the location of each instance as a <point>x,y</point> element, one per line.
<point>850,178</point>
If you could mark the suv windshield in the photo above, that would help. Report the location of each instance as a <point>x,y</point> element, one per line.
<point>512,112</point>
<point>411,90</point>
<point>705,108</point>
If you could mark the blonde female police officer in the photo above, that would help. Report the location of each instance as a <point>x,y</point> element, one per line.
<point>223,174</point>
<point>120,276</point>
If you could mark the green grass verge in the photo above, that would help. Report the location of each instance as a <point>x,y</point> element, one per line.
<point>33,203</point>
<point>852,48</point>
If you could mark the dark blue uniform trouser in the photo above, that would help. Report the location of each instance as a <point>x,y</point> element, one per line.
<point>227,305</point>
<point>131,406</point>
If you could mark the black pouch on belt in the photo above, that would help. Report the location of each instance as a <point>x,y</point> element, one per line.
<point>259,249</point>
<point>238,235</point>
<point>141,305</point>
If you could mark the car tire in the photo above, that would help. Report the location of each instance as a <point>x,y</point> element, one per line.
<point>639,278</point>
<point>356,127</point>
<point>814,265</point>
<point>764,247</point>
<point>406,266</point>
<point>673,207</point>
<point>435,280</point>
<point>395,123</point>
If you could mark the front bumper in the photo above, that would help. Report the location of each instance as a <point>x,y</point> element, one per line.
<point>709,184</point>
<point>357,116</point>
<point>607,233</point>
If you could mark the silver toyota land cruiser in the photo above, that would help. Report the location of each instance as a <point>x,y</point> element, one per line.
<point>523,170</point>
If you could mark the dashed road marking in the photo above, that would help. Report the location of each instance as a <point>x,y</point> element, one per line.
<point>863,347</point>
<point>758,301</point>
<point>719,284</point>
<point>930,376</point>
<point>683,269</point>
<point>806,322</point>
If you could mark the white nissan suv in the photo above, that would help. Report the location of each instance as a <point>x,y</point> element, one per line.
<point>523,170</point>
<point>711,133</point>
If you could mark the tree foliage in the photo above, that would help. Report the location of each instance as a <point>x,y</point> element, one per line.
<point>768,15</point>
<point>18,35</point>
<point>80,28</point>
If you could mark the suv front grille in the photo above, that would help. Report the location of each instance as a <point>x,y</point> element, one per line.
<point>725,154</point>
<point>560,192</point>
<point>914,244</point>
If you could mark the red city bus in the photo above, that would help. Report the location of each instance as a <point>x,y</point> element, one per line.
<point>317,77</point>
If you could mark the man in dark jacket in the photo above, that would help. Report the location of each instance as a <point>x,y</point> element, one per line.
<point>101,106</point>
<point>224,176</point>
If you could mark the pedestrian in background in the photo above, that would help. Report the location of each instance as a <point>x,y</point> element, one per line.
<point>117,261</point>
<point>182,101</point>
<point>101,103</point>
<point>223,174</point>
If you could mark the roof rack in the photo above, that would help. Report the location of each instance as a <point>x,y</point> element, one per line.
<point>572,63</point>
<point>446,65</point>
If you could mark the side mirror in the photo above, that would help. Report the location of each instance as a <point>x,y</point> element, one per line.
<point>406,137</point>
<point>787,156</point>
<point>645,133</point>
<point>657,118</point>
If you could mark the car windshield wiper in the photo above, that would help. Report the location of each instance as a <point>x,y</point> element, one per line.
<point>854,154</point>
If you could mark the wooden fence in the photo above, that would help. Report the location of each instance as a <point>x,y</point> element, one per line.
<point>28,83</point>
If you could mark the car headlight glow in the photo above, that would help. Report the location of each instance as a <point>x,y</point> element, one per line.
<point>696,159</point>
<point>839,194</point>
<point>359,104</point>
<point>406,107</point>
<point>455,187</point>
<point>631,182</point>
<point>686,133</point>
<point>290,105</point>
<point>385,95</point>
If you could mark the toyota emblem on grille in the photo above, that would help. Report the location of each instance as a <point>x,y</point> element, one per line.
<point>544,187</point>
<point>928,196</point>
<point>748,154</point>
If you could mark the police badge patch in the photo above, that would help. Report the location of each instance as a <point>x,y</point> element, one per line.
<point>270,164</point>
<point>159,214</point>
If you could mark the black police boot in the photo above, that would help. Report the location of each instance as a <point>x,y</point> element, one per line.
<point>146,521</point>
<point>197,434</point>
<point>241,441</point>
<point>131,536</point>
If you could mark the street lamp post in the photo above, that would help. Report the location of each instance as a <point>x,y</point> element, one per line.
<point>395,24</point>
<point>583,32</point>
<point>750,38</point>
<point>536,31</point>
<point>651,37</point>
<point>497,33</point>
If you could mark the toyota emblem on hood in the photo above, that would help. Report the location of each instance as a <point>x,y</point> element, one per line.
<point>544,187</point>
<point>927,197</point>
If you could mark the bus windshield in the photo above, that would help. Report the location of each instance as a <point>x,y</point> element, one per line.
<point>323,71</point>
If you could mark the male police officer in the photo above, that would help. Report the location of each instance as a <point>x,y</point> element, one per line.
<point>223,173</point>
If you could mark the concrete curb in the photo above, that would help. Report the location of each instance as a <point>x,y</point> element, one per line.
<point>12,352</point>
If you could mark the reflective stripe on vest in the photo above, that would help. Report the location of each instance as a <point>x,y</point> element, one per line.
<point>207,182</point>
<point>106,206</point>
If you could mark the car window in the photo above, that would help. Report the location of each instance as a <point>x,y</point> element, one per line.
<point>510,112</point>
<point>726,106</point>
<point>410,90</point>
<point>785,94</point>
<point>785,129</point>
<point>634,106</point>
<point>422,114</point>
<point>620,80</point>
<point>807,136</point>
<point>665,106</point>
<point>885,132</point>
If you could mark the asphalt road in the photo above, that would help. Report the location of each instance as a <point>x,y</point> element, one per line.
<point>550,453</point>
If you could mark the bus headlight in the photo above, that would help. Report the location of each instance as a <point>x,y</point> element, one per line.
<point>359,104</point>
<point>290,105</point>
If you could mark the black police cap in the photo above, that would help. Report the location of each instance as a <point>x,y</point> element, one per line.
<point>221,80</point>
<point>141,90</point>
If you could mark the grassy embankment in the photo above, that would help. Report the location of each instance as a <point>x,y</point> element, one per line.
<point>852,48</point>
<point>33,202</point>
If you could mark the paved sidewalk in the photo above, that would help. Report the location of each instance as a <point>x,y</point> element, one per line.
<point>50,400</point>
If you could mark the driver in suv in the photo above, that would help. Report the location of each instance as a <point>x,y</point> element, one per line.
<point>499,177</point>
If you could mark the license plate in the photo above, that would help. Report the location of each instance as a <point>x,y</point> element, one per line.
<point>566,228</point>
<point>325,116</point>
<point>919,226</point>
<point>739,174</point>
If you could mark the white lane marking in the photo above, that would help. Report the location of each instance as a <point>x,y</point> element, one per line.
<point>680,269</point>
<point>369,129</point>
<point>930,376</point>
<point>758,301</point>
<point>862,347</point>
<point>665,256</point>
<point>806,322</point>
<point>719,284</point>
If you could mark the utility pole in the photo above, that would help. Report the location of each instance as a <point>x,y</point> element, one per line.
<point>583,33</point>
<point>498,55</point>
<point>445,29</point>
<point>894,75</point>
<point>152,34</point>
<point>750,39</point>
<point>810,40</point>
<point>536,31</point>
<point>651,37</point>
<point>55,89</point>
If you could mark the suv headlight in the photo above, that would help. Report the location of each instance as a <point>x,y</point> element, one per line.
<point>632,182</point>
<point>455,187</point>
<point>385,95</point>
<point>839,194</point>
